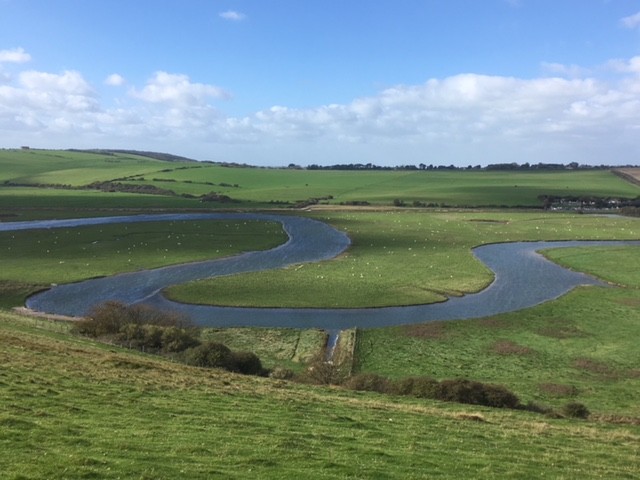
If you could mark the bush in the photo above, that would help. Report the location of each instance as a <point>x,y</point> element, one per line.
<point>105,319</point>
<point>210,355</point>
<point>421,387</point>
<point>368,382</point>
<point>476,393</point>
<point>247,363</point>
<point>176,339</point>
<point>281,373</point>
<point>321,372</point>
<point>576,410</point>
<point>110,317</point>
<point>424,387</point>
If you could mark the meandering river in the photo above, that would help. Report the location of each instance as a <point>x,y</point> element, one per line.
<point>523,278</point>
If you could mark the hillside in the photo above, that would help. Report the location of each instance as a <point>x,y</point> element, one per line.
<point>76,409</point>
<point>116,178</point>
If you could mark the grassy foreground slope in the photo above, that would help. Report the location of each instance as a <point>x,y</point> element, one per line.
<point>75,409</point>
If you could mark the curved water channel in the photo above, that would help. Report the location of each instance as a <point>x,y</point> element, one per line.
<point>523,278</point>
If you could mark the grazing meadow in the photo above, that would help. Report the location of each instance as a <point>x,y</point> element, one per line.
<point>247,187</point>
<point>401,258</point>
<point>34,259</point>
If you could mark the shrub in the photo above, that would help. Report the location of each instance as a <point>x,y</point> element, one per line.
<point>104,319</point>
<point>476,393</point>
<point>176,339</point>
<point>369,382</point>
<point>281,373</point>
<point>576,410</point>
<point>321,372</point>
<point>210,355</point>
<point>110,317</point>
<point>420,387</point>
<point>247,363</point>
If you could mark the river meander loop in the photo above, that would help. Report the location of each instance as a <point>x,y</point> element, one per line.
<point>523,278</point>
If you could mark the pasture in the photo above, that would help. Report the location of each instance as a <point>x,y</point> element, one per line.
<point>401,258</point>
<point>279,187</point>
<point>34,259</point>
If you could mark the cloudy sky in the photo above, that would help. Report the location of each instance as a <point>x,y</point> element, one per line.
<point>273,82</point>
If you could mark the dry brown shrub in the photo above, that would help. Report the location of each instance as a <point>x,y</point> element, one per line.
<point>507,347</point>
<point>558,389</point>
<point>474,417</point>
<point>616,419</point>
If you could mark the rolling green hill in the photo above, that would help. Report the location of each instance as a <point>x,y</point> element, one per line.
<point>251,187</point>
<point>76,409</point>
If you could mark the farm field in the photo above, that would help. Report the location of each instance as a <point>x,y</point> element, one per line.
<point>277,188</point>
<point>77,409</point>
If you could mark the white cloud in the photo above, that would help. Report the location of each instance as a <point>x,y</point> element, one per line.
<point>631,22</point>
<point>177,90</point>
<point>17,55</point>
<point>461,119</point>
<point>625,66</point>
<point>114,80</point>
<point>233,16</point>
<point>571,71</point>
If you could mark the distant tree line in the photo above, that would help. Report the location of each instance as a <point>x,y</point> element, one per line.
<point>493,166</point>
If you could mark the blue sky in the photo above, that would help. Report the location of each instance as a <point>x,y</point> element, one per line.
<point>273,82</point>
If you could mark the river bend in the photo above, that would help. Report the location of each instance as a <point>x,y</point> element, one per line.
<point>523,278</point>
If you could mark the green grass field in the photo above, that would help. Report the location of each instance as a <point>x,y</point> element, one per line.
<point>582,347</point>
<point>36,258</point>
<point>276,187</point>
<point>76,409</point>
<point>401,258</point>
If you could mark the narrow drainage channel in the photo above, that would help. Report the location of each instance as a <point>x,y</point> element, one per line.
<point>332,342</point>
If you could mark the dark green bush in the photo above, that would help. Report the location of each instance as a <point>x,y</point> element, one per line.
<point>247,363</point>
<point>476,393</point>
<point>424,387</point>
<point>576,410</point>
<point>108,318</point>
<point>369,382</point>
<point>210,355</point>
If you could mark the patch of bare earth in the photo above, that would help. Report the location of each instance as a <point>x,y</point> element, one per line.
<point>558,389</point>
<point>594,366</point>
<point>630,174</point>
<point>630,302</point>
<point>508,347</point>
<point>431,331</point>
<point>561,331</point>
